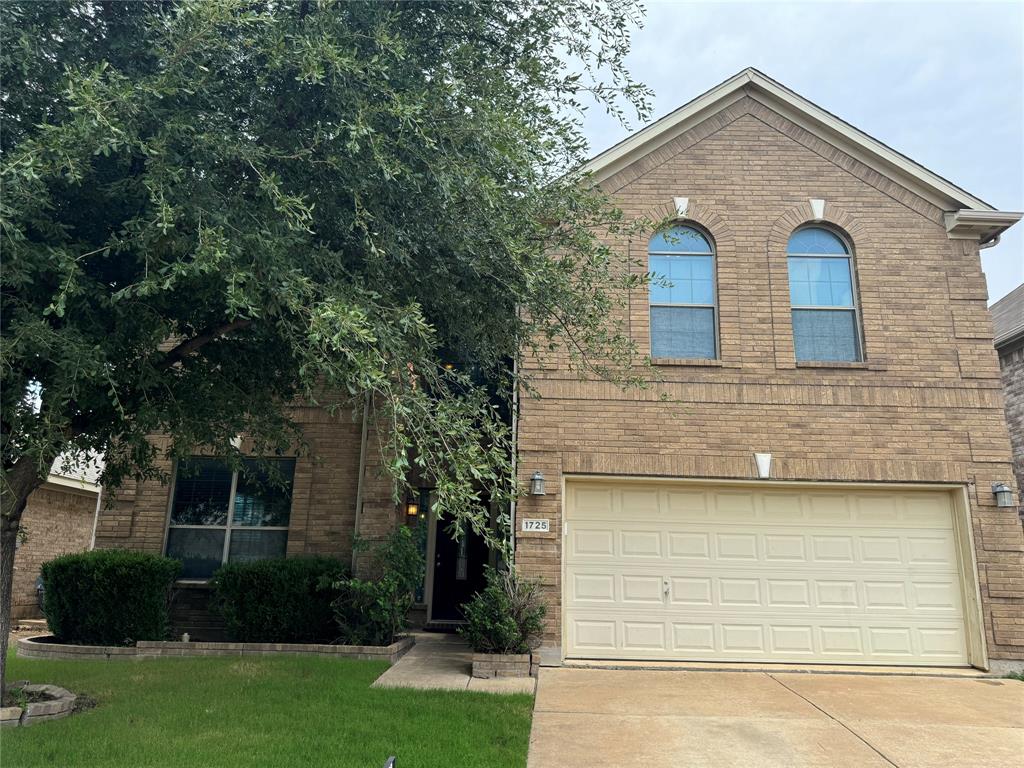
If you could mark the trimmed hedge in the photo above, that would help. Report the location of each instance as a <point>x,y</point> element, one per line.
<point>282,600</point>
<point>108,596</point>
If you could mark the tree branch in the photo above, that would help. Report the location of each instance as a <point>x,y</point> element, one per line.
<point>186,348</point>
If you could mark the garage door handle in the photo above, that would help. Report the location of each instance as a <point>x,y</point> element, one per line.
<point>666,585</point>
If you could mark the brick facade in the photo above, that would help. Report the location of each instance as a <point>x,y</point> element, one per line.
<point>1011,363</point>
<point>925,406</point>
<point>56,521</point>
<point>323,510</point>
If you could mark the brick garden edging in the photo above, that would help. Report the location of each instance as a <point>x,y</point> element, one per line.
<point>488,665</point>
<point>61,705</point>
<point>38,648</point>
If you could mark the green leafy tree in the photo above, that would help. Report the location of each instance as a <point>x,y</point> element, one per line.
<point>213,208</point>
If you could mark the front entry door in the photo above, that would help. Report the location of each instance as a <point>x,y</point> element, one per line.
<point>458,572</point>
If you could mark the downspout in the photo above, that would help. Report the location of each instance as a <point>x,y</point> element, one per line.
<point>359,481</point>
<point>96,517</point>
<point>994,241</point>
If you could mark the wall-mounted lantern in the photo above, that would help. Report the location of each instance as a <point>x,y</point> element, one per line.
<point>537,484</point>
<point>412,507</point>
<point>1003,494</point>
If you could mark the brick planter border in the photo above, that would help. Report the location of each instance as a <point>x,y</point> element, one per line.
<point>61,705</point>
<point>488,665</point>
<point>39,648</point>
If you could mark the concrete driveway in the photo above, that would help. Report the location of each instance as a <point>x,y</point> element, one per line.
<point>597,718</point>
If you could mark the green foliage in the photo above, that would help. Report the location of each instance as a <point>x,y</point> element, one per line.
<point>374,612</point>
<point>283,600</point>
<point>210,208</point>
<point>506,617</point>
<point>108,597</point>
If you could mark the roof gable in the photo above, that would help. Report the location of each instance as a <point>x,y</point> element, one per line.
<point>751,83</point>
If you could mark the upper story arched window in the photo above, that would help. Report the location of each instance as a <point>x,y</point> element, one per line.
<point>823,297</point>
<point>682,294</point>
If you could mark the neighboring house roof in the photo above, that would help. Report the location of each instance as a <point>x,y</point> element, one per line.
<point>81,475</point>
<point>967,215</point>
<point>1008,317</point>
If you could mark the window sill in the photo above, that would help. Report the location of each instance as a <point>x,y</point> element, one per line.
<point>846,365</point>
<point>692,362</point>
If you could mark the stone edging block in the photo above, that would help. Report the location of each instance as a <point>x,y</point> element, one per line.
<point>38,648</point>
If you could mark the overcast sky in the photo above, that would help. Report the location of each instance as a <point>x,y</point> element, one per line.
<point>943,83</point>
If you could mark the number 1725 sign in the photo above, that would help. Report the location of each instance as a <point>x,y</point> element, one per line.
<point>537,526</point>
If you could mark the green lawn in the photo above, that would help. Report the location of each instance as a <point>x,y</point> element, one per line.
<point>272,711</point>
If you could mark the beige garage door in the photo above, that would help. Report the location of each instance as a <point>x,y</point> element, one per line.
<point>730,573</point>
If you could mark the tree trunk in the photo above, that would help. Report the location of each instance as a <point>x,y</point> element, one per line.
<point>19,482</point>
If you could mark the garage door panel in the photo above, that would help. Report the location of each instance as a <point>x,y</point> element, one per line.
<point>737,638</point>
<point>785,591</point>
<point>645,544</point>
<point>713,574</point>
<point>717,545</point>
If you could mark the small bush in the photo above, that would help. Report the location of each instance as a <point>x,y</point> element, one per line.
<point>375,612</point>
<point>506,617</point>
<point>108,596</point>
<point>282,600</point>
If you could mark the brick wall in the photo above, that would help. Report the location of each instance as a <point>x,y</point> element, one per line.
<point>926,406</point>
<point>56,521</point>
<point>323,494</point>
<point>322,518</point>
<point>1011,363</point>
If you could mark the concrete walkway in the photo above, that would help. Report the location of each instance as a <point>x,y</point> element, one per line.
<point>445,661</point>
<point>622,718</point>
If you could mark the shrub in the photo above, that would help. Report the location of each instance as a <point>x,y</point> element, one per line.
<point>108,596</point>
<point>375,612</point>
<point>281,600</point>
<point>506,617</point>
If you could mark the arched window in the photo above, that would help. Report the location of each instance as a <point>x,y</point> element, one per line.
<point>682,294</point>
<point>821,292</point>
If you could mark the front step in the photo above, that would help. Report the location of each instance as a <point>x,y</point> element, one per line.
<point>443,627</point>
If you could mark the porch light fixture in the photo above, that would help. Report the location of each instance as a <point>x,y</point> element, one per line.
<point>1003,494</point>
<point>412,508</point>
<point>537,484</point>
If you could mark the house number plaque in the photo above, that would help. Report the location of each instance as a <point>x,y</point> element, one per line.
<point>537,526</point>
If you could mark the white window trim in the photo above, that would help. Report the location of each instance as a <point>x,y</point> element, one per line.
<point>714,293</point>
<point>227,527</point>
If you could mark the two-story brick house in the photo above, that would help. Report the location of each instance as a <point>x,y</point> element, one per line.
<point>817,485</point>
<point>828,310</point>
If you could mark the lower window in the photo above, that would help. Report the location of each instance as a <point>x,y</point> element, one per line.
<point>219,515</point>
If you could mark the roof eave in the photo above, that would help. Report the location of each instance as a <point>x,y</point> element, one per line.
<point>983,226</point>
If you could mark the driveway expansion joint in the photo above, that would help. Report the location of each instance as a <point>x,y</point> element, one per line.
<point>837,721</point>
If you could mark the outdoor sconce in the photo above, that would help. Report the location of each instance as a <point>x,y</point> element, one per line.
<point>1003,494</point>
<point>412,508</point>
<point>537,484</point>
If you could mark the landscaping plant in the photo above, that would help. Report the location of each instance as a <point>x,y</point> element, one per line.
<point>210,208</point>
<point>108,596</point>
<point>282,600</point>
<point>375,611</point>
<point>507,616</point>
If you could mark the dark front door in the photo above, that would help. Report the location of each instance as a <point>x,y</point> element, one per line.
<point>458,572</point>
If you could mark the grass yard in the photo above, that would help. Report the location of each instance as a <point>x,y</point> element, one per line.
<point>273,711</point>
